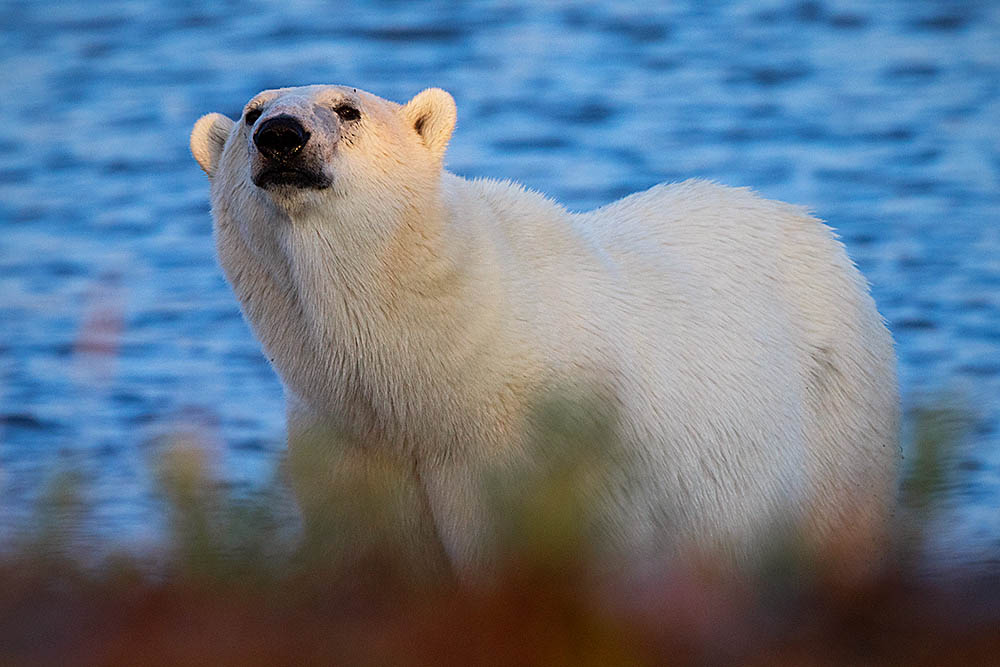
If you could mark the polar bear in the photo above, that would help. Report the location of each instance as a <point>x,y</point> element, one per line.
<point>422,315</point>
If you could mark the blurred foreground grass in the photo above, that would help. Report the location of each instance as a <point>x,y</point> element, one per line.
<point>241,581</point>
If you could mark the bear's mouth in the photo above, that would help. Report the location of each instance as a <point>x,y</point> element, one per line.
<point>296,178</point>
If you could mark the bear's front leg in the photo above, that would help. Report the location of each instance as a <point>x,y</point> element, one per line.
<point>360,504</point>
<point>454,494</point>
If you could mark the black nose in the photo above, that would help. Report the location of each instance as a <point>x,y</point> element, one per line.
<point>280,137</point>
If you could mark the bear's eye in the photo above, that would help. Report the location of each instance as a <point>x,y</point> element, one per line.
<point>347,112</point>
<point>252,115</point>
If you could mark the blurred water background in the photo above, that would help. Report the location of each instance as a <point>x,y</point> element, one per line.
<point>117,328</point>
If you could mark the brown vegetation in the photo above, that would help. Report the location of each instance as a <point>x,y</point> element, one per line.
<point>236,586</point>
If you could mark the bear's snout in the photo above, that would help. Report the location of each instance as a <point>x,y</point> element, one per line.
<point>281,137</point>
<point>285,156</point>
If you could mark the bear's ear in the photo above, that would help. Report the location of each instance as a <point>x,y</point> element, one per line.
<point>207,139</point>
<point>432,114</point>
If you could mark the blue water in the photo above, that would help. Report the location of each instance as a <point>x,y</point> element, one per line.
<point>117,329</point>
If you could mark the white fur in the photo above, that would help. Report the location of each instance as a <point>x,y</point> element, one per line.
<point>422,314</point>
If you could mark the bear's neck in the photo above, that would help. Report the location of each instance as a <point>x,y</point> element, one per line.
<point>370,314</point>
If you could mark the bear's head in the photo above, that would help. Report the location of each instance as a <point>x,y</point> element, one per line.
<point>316,144</point>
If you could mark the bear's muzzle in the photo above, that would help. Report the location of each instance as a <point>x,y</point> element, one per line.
<point>280,141</point>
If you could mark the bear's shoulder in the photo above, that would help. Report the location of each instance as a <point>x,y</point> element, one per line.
<point>504,194</point>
